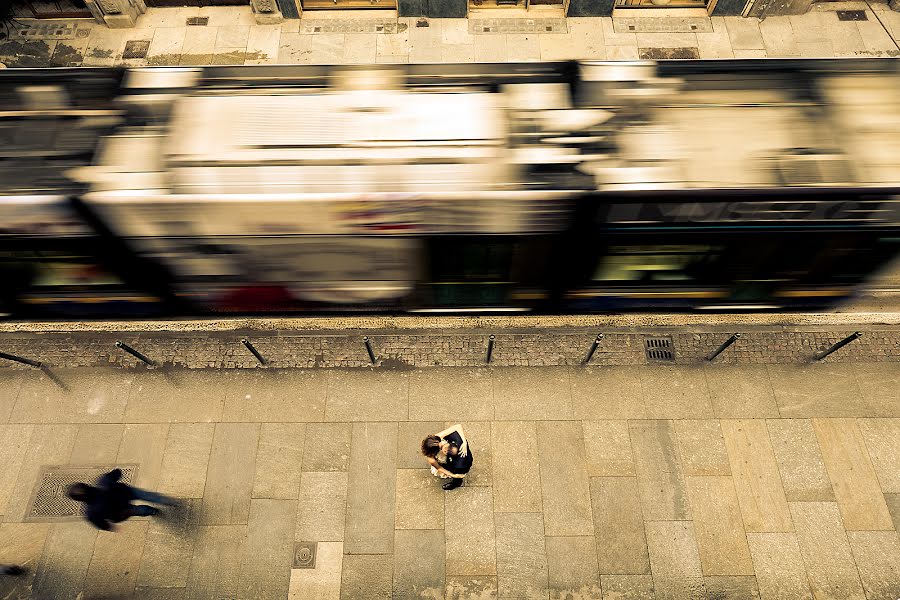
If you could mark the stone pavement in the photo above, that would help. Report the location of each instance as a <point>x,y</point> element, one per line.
<point>720,481</point>
<point>233,37</point>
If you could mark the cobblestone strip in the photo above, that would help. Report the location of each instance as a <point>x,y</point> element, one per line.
<point>428,349</point>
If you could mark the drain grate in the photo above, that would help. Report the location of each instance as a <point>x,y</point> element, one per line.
<point>49,501</point>
<point>305,555</point>
<point>352,26</point>
<point>659,348</point>
<point>852,15</point>
<point>661,24</point>
<point>136,49</point>
<point>198,21</point>
<point>502,25</point>
<point>50,31</point>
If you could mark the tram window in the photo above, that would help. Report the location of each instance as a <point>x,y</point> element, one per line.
<point>670,263</point>
<point>473,261</point>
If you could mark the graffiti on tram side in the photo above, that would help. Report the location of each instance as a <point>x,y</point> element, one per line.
<point>856,210</point>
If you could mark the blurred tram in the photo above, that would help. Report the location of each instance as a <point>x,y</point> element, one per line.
<point>478,188</point>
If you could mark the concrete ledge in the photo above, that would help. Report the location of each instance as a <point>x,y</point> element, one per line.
<point>693,322</point>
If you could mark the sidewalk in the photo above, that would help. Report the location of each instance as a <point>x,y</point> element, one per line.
<point>716,481</point>
<point>232,37</point>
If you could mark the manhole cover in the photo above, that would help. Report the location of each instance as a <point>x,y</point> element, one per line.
<point>198,20</point>
<point>852,15</point>
<point>659,348</point>
<point>136,49</point>
<point>305,555</point>
<point>49,501</point>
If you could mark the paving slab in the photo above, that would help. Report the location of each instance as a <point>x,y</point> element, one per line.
<point>451,394</point>
<point>676,393</point>
<point>268,549</point>
<point>366,576</point>
<point>736,588</point>
<point>893,504</point>
<point>756,477</point>
<point>462,587</point>
<point>365,395</point>
<point>608,448</point>
<point>324,581</point>
<point>144,444</point>
<point>229,477</point>
<point>854,481</point>
<point>741,392</point>
<point>420,500</point>
<point>826,551</point>
<point>216,563</point>
<point>327,447</point>
<point>176,397</point>
<point>532,394</point>
<point>878,382</point>
<point>718,526</point>
<point>882,438</point>
<point>800,462</point>
<point>185,459</point>
<point>517,477</point>
<point>780,572</point>
<point>659,474</point>
<point>65,560</point>
<point>10,383</point>
<point>22,545</point>
<point>419,559</point>
<point>819,390</point>
<point>117,557</point>
<point>14,444</point>
<point>279,459</point>
<point>607,393</point>
<point>322,507</point>
<point>674,560</point>
<point>572,567</point>
<point>169,547</point>
<point>469,527</point>
<point>566,495</point>
<point>93,396</point>
<point>701,447</point>
<point>877,555</point>
<point>619,526</point>
<point>627,587</point>
<point>264,395</point>
<point>371,493</point>
<point>521,558</point>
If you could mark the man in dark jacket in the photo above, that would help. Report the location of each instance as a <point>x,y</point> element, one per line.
<point>110,501</point>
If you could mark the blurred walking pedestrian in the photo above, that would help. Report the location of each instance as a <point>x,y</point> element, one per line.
<point>449,456</point>
<point>110,501</point>
<point>11,570</point>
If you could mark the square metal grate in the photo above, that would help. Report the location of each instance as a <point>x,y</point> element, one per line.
<point>659,348</point>
<point>201,21</point>
<point>136,49</point>
<point>305,555</point>
<point>852,15</point>
<point>49,501</point>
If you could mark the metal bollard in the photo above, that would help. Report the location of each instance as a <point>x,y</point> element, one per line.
<point>253,351</point>
<point>490,349</point>
<point>134,353</point>
<point>724,345</point>
<point>593,349</point>
<point>19,359</point>
<point>369,350</point>
<point>839,345</point>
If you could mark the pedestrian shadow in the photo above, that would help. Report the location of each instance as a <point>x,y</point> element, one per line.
<point>183,517</point>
